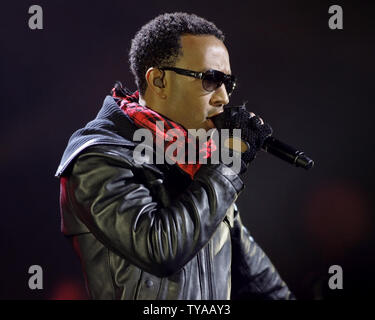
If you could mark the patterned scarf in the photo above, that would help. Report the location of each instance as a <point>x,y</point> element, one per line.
<point>144,117</point>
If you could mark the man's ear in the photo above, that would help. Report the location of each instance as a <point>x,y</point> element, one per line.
<point>156,82</point>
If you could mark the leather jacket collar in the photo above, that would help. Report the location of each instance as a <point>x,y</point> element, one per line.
<point>110,127</point>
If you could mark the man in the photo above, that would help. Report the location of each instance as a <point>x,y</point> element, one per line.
<point>146,230</point>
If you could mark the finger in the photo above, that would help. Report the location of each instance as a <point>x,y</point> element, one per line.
<point>253,115</point>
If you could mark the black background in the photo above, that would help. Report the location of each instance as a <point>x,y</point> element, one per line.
<point>314,86</point>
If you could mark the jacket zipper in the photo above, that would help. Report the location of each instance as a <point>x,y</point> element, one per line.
<point>138,285</point>
<point>200,274</point>
<point>208,265</point>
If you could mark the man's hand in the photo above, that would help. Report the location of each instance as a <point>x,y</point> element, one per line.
<point>253,132</point>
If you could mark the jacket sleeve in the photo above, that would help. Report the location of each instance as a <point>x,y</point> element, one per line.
<point>253,274</point>
<point>106,193</point>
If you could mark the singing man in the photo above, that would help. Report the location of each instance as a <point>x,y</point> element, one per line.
<point>147,230</point>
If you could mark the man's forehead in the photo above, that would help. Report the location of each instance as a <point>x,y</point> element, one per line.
<point>203,52</point>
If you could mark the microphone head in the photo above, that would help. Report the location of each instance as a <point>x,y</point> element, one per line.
<point>304,162</point>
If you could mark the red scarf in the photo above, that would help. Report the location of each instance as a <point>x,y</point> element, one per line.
<point>145,117</point>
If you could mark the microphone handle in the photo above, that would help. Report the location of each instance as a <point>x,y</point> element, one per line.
<point>287,153</point>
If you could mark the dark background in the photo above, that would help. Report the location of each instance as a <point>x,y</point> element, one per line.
<point>312,84</point>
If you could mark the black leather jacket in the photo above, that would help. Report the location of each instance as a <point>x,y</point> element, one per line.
<point>150,232</point>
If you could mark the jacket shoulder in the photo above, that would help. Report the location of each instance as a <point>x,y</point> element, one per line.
<point>120,154</point>
<point>123,153</point>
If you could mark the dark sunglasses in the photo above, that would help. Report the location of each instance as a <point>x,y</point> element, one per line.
<point>211,79</point>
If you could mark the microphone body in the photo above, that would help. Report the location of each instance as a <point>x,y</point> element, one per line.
<point>287,153</point>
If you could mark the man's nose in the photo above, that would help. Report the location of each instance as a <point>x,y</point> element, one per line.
<point>220,97</point>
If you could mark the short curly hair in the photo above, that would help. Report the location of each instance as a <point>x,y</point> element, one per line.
<point>157,43</point>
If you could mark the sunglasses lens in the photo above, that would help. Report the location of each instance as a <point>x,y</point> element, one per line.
<point>214,79</point>
<point>210,81</point>
<point>230,84</point>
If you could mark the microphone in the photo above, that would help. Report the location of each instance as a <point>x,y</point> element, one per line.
<point>236,116</point>
<point>287,153</point>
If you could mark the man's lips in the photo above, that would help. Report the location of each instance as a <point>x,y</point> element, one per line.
<point>210,123</point>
